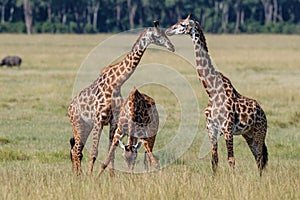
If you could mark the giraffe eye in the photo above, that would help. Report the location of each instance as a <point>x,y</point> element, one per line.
<point>182,25</point>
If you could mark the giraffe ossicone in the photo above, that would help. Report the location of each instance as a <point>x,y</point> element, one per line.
<point>228,112</point>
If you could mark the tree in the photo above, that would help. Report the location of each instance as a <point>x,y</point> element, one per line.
<point>28,16</point>
<point>3,7</point>
<point>268,10</point>
<point>132,7</point>
<point>96,6</point>
<point>237,9</point>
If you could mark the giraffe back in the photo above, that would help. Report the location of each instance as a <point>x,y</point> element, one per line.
<point>139,110</point>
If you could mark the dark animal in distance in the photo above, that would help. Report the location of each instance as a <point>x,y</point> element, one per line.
<point>11,61</point>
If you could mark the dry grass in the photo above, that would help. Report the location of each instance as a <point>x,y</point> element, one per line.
<point>34,129</point>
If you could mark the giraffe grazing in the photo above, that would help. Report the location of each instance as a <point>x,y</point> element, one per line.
<point>138,119</point>
<point>97,105</point>
<point>228,112</point>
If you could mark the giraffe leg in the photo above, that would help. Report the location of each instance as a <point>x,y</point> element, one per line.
<point>112,165</point>
<point>94,153</point>
<point>214,159</point>
<point>113,126</point>
<point>212,133</point>
<point>81,131</point>
<point>108,158</point>
<point>77,155</point>
<point>147,159</point>
<point>213,136</point>
<point>148,144</point>
<point>79,138</point>
<point>229,145</point>
<point>258,148</point>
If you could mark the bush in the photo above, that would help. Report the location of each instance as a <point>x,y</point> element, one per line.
<point>253,27</point>
<point>18,27</point>
<point>88,28</point>
<point>48,27</point>
<point>61,28</point>
<point>289,28</point>
<point>72,27</point>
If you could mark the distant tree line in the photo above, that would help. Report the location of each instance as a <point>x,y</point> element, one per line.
<point>92,16</point>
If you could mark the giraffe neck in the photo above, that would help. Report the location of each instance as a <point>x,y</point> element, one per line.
<point>133,58</point>
<point>142,42</point>
<point>121,72</point>
<point>206,71</point>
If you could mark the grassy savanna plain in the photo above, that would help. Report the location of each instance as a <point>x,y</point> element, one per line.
<point>35,131</point>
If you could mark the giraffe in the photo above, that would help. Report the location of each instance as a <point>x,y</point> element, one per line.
<point>138,119</point>
<point>97,105</point>
<point>228,112</point>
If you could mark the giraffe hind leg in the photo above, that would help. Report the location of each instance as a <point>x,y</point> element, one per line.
<point>229,145</point>
<point>81,131</point>
<point>72,143</point>
<point>94,153</point>
<point>260,152</point>
<point>77,155</point>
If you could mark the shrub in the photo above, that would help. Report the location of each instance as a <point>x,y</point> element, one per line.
<point>48,27</point>
<point>88,28</point>
<point>18,27</point>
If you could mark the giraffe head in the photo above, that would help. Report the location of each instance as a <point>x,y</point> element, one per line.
<point>154,35</point>
<point>191,27</point>
<point>182,27</point>
<point>130,153</point>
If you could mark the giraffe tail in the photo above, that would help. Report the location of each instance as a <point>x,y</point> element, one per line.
<point>264,156</point>
<point>72,143</point>
<point>262,162</point>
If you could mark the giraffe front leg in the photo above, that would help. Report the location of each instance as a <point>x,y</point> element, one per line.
<point>110,155</point>
<point>94,153</point>
<point>214,155</point>
<point>212,133</point>
<point>213,136</point>
<point>147,162</point>
<point>112,165</point>
<point>229,146</point>
<point>228,135</point>
<point>113,127</point>
<point>150,154</point>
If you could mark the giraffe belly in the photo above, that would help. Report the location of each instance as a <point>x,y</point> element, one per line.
<point>87,117</point>
<point>240,129</point>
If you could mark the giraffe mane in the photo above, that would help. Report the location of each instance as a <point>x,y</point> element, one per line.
<point>202,37</point>
<point>139,38</point>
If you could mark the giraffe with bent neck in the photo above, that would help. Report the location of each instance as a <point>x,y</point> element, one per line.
<point>98,104</point>
<point>228,112</point>
<point>138,119</point>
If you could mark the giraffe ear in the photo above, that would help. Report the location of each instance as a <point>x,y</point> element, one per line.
<point>122,145</point>
<point>156,23</point>
<point>138,145</point>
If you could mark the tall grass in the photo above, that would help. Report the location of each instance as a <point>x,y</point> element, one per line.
<point>34,128</point>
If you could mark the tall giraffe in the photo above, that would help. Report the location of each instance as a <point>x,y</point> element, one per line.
<point>228,112</point>
<point>138,119</point>
<point>97,105</point>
